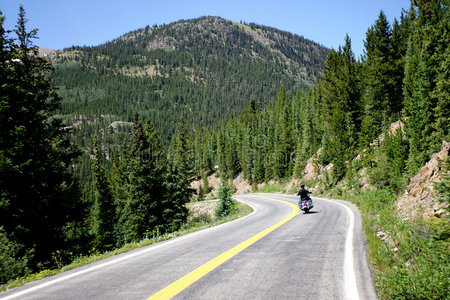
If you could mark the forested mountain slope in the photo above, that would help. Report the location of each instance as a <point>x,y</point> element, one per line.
<point>203,69</point>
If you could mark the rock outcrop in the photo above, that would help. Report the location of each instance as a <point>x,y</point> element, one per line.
<point>213,183</point>
<point>419,198</point>
<point>241,185</point>
<point>314,170</point>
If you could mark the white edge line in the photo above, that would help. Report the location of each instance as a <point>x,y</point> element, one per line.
<point>351,288</point>
<point>122,258</point>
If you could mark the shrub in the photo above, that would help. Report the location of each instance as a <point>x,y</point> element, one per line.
<point>12,264</point>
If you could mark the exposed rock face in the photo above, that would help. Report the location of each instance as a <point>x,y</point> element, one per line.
<point>313,170</point>
<point>241,185</point>
<point>213,182</point>
<point>419,199</point>
<point>310,172</point>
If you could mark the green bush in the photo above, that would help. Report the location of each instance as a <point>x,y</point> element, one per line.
<point>12,264</point>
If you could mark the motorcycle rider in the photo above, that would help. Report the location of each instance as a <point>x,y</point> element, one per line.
<point>303,193</point>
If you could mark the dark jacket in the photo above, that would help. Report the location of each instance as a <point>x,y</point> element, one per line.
<point>303,193</point>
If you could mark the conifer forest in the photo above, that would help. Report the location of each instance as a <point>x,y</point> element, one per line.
<point>99,145</point>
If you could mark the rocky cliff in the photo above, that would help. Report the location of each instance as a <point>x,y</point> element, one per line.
<point>419,198</point>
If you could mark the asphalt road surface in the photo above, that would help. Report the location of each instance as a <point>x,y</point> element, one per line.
<point>274,253</point>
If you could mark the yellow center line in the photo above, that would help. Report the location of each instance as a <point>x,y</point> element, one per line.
<point>175,288</point>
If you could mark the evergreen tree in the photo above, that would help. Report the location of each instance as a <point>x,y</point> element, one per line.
<point>180,153</point>
<point>248,152</point>
<point>38,195</point>
<point>284,145</point>
<point>399,42</point>
<point>104,211</point>
<point>231,164</point>
<point>176,194</point>
<point>395,149</point>
<point>340,106</point>
<point>142,208</point>
<point>226,204</point>
<point>308,132</point>
<point>247,155</point>
<point>260,147</point>
<point>381,96</point>
<point>299,161</point>
<point>426,83</point>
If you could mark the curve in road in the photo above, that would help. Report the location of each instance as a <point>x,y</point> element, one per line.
<point>175,288</point>
<point>299,256</point>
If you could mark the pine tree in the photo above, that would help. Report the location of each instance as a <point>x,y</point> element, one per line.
<point>426,83</point>
<point>247,155</point>
<point>39,196</point>
<point>176,194</point>
<point>260,147</point>
<point>339,94</point>
<point>180,153</point>
<point>104,211</point>
<point>395,149</point>
<point>309,129</point>
<point>231,164</point>
<point>142,209</point>
<point>299,163</point>
<point>226,204</point>
<point>399,42</point>
<point>205,184</point>
<point>383,67</point>
<point>443,186</point>
<point>248,152</point>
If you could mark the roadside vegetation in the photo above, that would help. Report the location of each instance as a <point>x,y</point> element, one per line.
<point>410,259</point>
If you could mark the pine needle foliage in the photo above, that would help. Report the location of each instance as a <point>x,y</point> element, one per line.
<point>226,204</point>
<point>39,197</point>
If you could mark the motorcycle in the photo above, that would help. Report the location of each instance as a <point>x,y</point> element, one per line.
<point>306,205</point>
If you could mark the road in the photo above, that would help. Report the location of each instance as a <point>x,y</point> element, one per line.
<point>274,253</point>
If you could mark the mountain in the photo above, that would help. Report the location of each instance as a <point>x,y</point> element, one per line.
<point>204,70</point>
<point>46,51</point>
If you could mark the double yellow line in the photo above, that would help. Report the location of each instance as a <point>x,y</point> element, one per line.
<point>175,288</point>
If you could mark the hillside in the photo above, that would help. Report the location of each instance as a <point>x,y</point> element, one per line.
<point>46,51</point>
<point>203,69</point>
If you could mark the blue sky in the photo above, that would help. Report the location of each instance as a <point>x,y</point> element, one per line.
<point>63,23</point>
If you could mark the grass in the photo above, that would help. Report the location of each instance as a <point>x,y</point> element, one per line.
<point>270,188</point>
<point>241,210</point>
<point>410,259</point>
<point>273,187</point>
